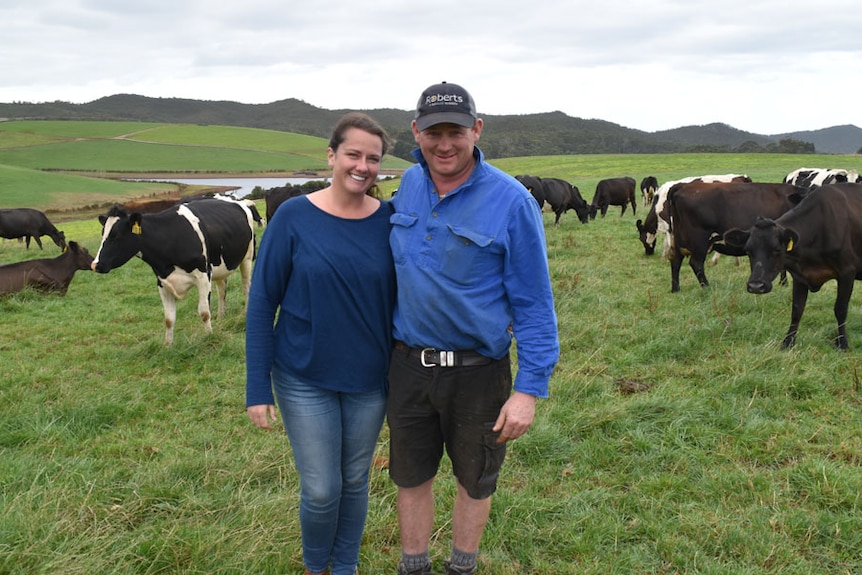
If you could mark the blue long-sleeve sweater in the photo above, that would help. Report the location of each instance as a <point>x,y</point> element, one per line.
<point>321,300</point>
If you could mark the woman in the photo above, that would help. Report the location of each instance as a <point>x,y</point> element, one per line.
<point>325,270</point>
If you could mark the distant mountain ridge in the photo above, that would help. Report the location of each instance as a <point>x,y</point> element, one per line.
<point>550,133</point>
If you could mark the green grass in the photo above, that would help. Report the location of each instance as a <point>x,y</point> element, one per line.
<point>118,455</point>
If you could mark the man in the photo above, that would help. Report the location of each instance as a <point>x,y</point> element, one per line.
<point>471,263</point>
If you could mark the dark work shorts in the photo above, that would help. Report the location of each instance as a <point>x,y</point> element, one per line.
<point>456,407</point>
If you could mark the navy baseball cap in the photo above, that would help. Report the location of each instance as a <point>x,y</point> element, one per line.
<point>445,104</point>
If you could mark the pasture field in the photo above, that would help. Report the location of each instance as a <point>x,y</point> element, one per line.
<point>34,153</point>
<point>118,455</point>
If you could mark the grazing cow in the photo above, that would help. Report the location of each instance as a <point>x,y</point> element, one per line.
<point>648,187</point>
<point>701,212</point>
<point>534,186</point>
<point>193,244</point>
<point>48,275</point>
<point>657,219</point>
<point>563,196</point>
<point>810,178</point>
<point>818,240</point>
<point>274,197</point>
<point>29,223</point>
<point>613,192</point>
<point>559,194</point>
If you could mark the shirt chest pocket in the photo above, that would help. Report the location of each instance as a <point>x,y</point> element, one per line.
<point>399,237</point>
<point>470,256</point>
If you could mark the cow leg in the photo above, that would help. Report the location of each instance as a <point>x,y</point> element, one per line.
<point>169,304</point>
<point>842,302</point>
<point>557,220</point>
<point>221,293</point>
<point>800,297</point>
<point>696,263</point>
<point>245,269</point>
<point>675,265</point>
<point>204,285</point>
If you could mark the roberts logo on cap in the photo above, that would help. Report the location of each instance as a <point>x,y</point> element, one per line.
<point>445,104</point>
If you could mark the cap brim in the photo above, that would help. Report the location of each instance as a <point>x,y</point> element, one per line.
<point>425,122</point>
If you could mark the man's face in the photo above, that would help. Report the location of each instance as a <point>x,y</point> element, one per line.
<point>448,148</point>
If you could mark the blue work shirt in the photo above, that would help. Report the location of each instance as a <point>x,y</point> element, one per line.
<point>473,265</point>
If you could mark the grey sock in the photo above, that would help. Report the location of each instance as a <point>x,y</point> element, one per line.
<point>463,561</point>
<point>415,562</point>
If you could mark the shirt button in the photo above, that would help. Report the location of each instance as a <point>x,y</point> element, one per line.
<point>428,237</point>
<point>434,214</point>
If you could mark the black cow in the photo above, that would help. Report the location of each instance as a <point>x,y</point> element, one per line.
<point>657,218</point>
<point>613,192</point>
<point>48,275</point>
<point>563,196</point>
<point>29,223</point>
<point>274,197</point>
<point>818,240</point>
<point>649,185</point>
<point>701,212</point>
<point>559,194</point>
<point>534,186</point>
<point>811,178</point>
<point>192,245</point>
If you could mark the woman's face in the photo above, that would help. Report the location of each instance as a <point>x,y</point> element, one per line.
<point>356,163</point>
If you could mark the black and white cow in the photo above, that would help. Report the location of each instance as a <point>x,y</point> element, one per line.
<point>29,223</point>
<point>51,275</point>
<point>193,244</point>
<point>810,178</point>
<point>817,241</point>
<point>649,185</point>
<point>657,220</point>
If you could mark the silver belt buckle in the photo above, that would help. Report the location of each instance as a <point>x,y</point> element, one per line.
<point>447,358</point>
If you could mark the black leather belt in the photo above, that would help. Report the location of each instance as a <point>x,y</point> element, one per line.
<point>430,357</point>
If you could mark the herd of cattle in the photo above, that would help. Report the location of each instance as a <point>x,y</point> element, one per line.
<point>809,226</point>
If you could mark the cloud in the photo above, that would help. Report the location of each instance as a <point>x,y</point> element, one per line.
<point>766,67</point>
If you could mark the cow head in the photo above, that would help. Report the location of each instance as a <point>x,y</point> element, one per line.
<point>82,258</point>
<point>581,207</point>
<point>766,244</point>
<point>59,238</point>
<point>121,238</point>
<point>647,237</point>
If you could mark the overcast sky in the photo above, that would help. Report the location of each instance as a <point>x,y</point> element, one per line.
<point>762,66</point>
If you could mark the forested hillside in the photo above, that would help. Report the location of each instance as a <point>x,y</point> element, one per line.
<point>551,133</point>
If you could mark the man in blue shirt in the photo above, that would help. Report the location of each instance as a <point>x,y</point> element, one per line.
<point>471,263</point>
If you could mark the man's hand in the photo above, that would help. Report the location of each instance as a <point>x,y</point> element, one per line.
<point>515,417</point>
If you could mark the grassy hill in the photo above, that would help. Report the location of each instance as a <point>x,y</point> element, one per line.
<point>552,133</point>
<point>61,165</point>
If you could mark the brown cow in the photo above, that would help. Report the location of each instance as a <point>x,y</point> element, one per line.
<point>817,241</point>
<point>701,212</point>
<point>48,275</point>
<point>613,192</point>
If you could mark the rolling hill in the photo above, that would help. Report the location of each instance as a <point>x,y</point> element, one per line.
<point>551,133</point>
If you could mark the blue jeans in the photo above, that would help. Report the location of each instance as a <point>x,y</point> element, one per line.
<point>333,436</point>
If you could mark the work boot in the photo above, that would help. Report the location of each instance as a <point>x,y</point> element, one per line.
<point>402,570</point>
<point>459,570</point>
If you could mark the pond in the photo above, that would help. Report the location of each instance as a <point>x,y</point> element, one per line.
<point>244,186</point>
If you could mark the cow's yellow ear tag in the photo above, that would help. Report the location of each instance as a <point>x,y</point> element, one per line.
<point>136,228</point>
<point>789,245</point>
